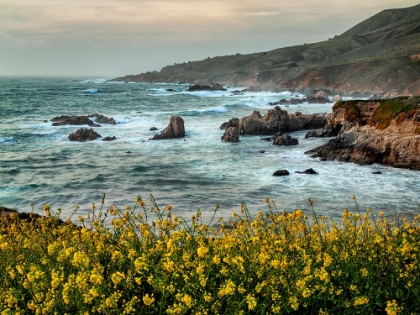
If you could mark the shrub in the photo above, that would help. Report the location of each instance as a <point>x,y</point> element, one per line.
<point>277,262</point>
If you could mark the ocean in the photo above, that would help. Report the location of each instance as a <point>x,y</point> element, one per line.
<point>39,165</point>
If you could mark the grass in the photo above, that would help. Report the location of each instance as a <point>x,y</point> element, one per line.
<point>147,260</point>
<point>399,109</point>
<point>351,111</point>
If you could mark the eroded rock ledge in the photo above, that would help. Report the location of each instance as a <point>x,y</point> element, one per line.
<point>276,120</point>
<point>374,131</point>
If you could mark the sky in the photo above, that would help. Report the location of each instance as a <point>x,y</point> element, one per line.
<point>111,38</point>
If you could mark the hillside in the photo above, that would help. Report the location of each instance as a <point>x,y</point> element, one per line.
<point>379,55</point>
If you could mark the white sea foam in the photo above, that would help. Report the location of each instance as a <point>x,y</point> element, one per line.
<point>7,140</point>
<point>91,91</point>
<point>96,81</point>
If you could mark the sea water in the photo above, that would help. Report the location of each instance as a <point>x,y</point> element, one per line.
<point>39,165</point>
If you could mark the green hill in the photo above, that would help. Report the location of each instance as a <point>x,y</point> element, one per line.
<point>378,55</point>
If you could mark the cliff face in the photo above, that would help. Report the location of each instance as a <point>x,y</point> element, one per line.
<point>381,131</point>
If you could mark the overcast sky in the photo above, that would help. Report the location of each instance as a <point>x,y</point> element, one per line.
<point>110,38</point>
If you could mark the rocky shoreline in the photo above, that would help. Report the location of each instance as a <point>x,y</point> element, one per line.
<point>374,131</point>
<point>366,131</point>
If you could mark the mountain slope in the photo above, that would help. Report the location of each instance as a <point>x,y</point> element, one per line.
<point>379,55</point>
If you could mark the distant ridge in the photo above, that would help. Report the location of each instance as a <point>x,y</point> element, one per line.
<point>380,55</point>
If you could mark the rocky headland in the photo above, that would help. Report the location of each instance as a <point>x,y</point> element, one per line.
<point>274,122</point>
<point>378,56</point>
<point>374,131</point>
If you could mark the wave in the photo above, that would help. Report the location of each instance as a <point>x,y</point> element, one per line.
<point>196,112</point>
<point>7,140</point>
<point>96,81</point>
<point>91,91</point>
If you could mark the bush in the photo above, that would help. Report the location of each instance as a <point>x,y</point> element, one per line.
<point>277,262</point>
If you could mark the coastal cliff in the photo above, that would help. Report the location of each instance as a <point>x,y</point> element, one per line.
<point>379,56</point>
<point>374,131</point>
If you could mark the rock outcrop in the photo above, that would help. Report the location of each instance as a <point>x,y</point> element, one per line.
<point>84,134</point>
<point>336,98</point>
<point>374,131</point>
<point>280,139</point>
<point>281,173</point>
<point>82,120</point>
<point>201,87</point>
<point>73,120</point>
<point>103,119</point>
<point>109,138</point>
<point>274,121</point>
<point>310,171</point>
<point>175,129</point>
<point>231,134</point>
<point>298,121</point>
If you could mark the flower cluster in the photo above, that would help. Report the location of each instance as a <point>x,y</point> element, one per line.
<point>275,263</point>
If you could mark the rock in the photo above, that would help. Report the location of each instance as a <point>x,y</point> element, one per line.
<point>84,134</point>
<point>223,126</point>
<point>233,122</point>
<point>380,131</point>
<point>275,120</point>
<point>308,171</point>
<point>153,129</point>
<point>169,90</point>
<point>103,119</point>
<point>317,100</point>
<point>377,172</point>
<point>262,151</point>
<point>238,92</point>
<point>285,140</point>
<point>231,134</point>
<point>293,101</point>
<point>73,120</point>
<point>200,87</point>
<point>281,173</point>
<point>175,129</point>
<point>336,98</point>
<point>109,138</point>
<point>298,121</point>
<point>311,134</point>
<point>322,94</point>
<point>217,87</point>
<point>347,114</point>
<point>267,139</point>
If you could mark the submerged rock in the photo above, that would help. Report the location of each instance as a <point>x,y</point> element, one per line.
<point>84,134</point>
<point>103,119</point>
<point>73,120</point>
<point>308,171</point>
<point>82,120</point>
<point>201,87</point>
<point>109,138</point>
<point>285,140</point>
<point>281,173</point>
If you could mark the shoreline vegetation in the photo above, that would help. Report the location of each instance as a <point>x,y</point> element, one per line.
<point>146,259</point>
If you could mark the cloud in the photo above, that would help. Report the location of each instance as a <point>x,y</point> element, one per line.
<point>149,34</point>
<point>264,13</point>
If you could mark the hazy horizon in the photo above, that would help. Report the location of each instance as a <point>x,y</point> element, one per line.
<point>110,38</point>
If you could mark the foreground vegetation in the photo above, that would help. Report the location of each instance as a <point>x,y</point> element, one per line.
<point>276,262</point>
